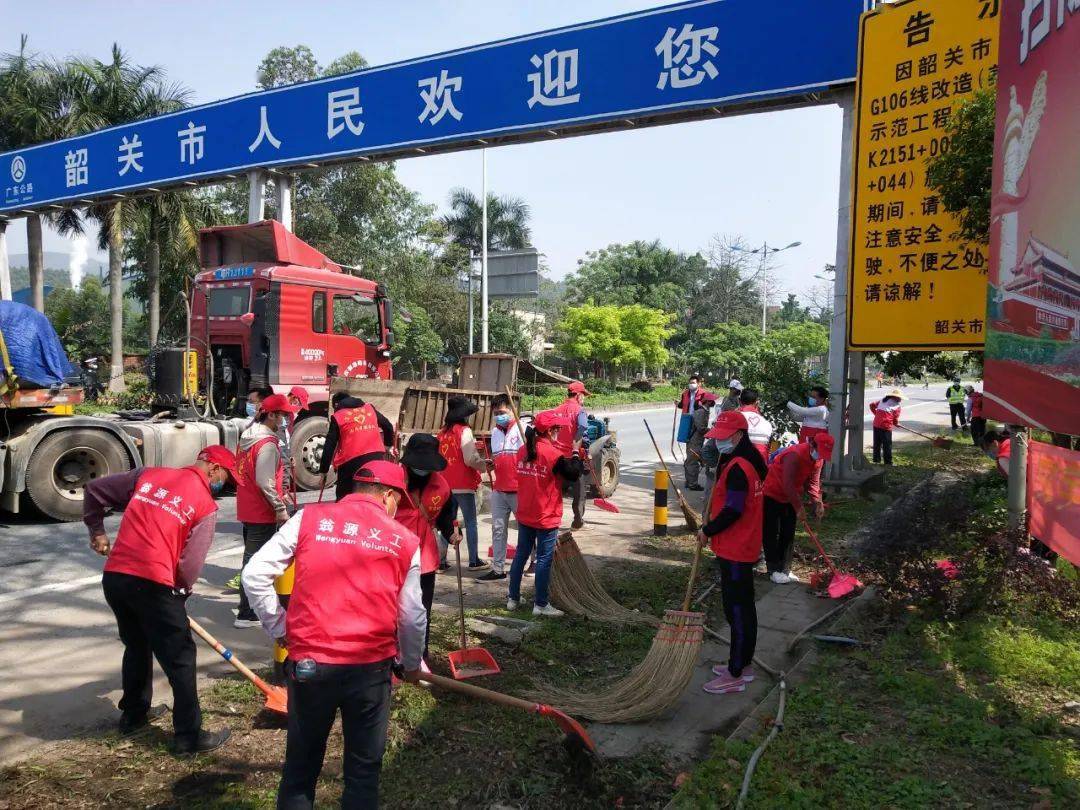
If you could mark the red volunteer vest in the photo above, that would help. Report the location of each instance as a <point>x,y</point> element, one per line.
<point>166,505</point>
<point>436,494</point>
<point>741,541</point>
<point>251,504</point>
<point>358,434</point>
<point>796,454</point>
<point>976,406</point>
<point>885,420</point>
<point>457,473</point>
<point>351,562</point>
<point>505,460</point>
<point>1004,454</point>
<point>540,503</point>
<point>571,409</point>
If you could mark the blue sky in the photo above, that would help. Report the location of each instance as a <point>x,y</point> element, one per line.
<point>768,177</point>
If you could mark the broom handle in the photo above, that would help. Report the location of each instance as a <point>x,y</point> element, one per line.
<point>479,692</point>
<point>513,409</point>
<point>697,547</point>
<point>817,543</point>
<point>682,501</point>
<point>460,592</point>
<point>227,654</point>
<point>909,430</point>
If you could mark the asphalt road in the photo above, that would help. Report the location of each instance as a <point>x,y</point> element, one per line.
<point>61,653</point>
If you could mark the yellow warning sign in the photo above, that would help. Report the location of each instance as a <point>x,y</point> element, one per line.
<point>912,285</point>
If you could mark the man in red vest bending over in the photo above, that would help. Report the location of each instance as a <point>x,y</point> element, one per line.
<point>358,434</point>
<point>355,607</point>
<point>167,527</point>
<point>260,486</point>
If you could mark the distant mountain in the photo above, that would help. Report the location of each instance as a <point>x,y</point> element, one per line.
<point>57,273</point>
<point>54,260</point>
<point>20,277</point>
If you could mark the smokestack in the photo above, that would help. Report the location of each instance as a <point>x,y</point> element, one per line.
<point>80,253</point>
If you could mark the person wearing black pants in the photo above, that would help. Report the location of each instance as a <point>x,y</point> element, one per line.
<point>734,532</point>
<point>153,623</point>
<point>882,445</point>
<point>362,692</point>
<point>778,535</point>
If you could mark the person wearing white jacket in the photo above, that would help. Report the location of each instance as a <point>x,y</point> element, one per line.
<point>814,419</point>
<point>505,442</point>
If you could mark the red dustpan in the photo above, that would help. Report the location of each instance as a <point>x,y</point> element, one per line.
<point>277,699</point>
<point>468,662</point>
<point>841,584</point>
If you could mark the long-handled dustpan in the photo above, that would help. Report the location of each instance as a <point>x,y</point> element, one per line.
<point>841,584</point>
<point>277,699</point>
<point>577,737</point>
<point>468,662</point>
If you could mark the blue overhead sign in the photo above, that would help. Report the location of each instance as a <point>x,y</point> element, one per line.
<point>686,57</point>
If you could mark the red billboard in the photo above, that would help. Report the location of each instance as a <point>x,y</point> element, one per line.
<point>1033,308</point>
<point>1053,498</point>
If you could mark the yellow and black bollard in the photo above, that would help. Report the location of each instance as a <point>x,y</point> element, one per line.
<point>660,491</point>
<point>283,585</point>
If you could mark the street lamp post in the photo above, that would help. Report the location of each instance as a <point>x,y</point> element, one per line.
<point>763,270</point>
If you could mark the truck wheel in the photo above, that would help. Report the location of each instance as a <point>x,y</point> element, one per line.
<point>64,463</point>
<point>607,472</point>
<point>306,444</point>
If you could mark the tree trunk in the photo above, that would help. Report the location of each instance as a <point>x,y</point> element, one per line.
<point>423,370</point>
<point>35,261</point>
<point>116,306</point>
<point>153,272</point>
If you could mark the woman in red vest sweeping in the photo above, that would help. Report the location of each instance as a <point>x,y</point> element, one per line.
<point>886,413</point>
<point>431,507</point>
<point>355,608</point>
<point>734,531</point>
<point>573,408</point>
<point>463,467</point>
<point>358,434</point>
<point>260,482</point>
<point>541,469</point>
<point>167,528</point>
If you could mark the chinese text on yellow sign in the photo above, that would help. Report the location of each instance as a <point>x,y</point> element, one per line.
<point>912,285</point>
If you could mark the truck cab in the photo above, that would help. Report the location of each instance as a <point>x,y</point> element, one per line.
<point>269,310</point>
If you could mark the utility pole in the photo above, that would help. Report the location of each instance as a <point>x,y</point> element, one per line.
<point>472,344</point>
<point>484,259</point>
<point>5,272</point>
<point>764,285</point>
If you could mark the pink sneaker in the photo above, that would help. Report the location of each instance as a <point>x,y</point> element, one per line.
<point>725,684</point>
<point>747,673</point>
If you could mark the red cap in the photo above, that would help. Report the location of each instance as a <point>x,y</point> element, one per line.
<point>301,394</point>
<point>577,388</point>
<point>277,402</point>
<point>546,420</point>
<point>218,454</point>
<point>388,473</point>
<point>707,396</point>
<point>727,423</point>
<point>824,443</point>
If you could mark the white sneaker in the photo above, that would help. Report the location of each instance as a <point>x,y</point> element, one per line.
<point>245,623</point>
<point>792,577</point>
<point>547,610</point>
<point>513,604</point>
<point>779,578</point>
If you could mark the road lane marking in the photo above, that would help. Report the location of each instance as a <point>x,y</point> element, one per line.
<point>76,584</point>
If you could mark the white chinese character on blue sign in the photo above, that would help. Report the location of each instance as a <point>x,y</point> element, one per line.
<point>77,169</point>
<point>264,132</point>
<point>343,110</point>
<point>683,54</point>
<point>557,75</point>
<point>191,143</point>
<point>437,94</point>
<point>129,158</point>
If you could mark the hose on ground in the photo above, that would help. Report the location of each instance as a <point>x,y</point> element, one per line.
<point>777,727</point>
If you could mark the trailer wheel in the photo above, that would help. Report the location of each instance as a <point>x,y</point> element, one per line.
<point>306,444</point>
<point>607,472</point>
<point>62,465</point>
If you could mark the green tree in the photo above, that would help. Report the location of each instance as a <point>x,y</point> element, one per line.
<point>116,92</point>
<point>508,221</point>
<point>807,339</point>
<point>645,273</point>
<point>791,311</point>
<point>417,344</point>
<point>647,330</point>
<point>725,349</point>
<point>285,65</point>
<point>962,175</point>
<point>591,333</point>
<point>507,333</point>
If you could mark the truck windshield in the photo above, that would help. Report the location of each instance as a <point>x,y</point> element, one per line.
<point>359,318</point>
<point>228,302</point>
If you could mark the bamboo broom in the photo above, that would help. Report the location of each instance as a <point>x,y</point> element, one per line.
<point>692,518</point>
<point>575,588</point>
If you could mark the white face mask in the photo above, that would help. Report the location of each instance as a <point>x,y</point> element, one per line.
<point>724,446</point>
<point>692,386</point>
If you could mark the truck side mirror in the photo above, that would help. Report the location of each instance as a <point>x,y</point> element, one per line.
<point>388,320</point>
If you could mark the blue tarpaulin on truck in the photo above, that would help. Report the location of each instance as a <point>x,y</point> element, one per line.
<point>33,349</point>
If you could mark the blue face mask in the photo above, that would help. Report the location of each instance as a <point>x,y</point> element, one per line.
<point>250,409</point>
<point>811,401</point>
<point>502,419</point>
<point>216,487</point>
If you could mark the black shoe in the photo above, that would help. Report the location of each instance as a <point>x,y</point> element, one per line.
<point>444,566</point>
<point>577,524</point>
<point>476,566</point>
<point>491,576</point>
<point>203,742</point>
<point>695,487</point>
<point>131,723</point>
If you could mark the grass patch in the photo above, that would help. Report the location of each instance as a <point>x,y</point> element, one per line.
<point>553,397</point>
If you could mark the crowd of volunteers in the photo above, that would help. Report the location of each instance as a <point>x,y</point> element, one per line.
<point>365,565</point>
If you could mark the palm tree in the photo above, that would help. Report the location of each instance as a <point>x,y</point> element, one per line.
<point>117,92</point>
<point>37,104</point>
<point>508,221</point>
